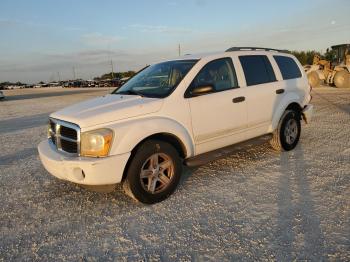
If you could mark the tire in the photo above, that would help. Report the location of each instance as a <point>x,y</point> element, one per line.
<point>286,135</point>
<point>314,79</point>
<point>342,79</point>
<point>153,173</point>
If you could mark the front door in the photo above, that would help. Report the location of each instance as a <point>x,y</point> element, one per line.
<point>218,118</point>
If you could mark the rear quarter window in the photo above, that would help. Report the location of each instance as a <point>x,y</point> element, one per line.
<point>288,67</point>
<point>257,69</point>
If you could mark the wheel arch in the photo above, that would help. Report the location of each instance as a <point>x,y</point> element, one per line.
<point>294,106</point>
<point>291,104</point>
<point>169,138</point>
<point>165,137</point>
<point>131,133</point>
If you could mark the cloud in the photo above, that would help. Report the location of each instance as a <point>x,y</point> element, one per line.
<point>72,29</point>
<point>87,63</point>
<point>200,2</point>
<point>25,25</point>
<point>5,23</point>
<point>162,29</point>
<point>98,39</point>
<point>172,3</point>
<point>86,54</point>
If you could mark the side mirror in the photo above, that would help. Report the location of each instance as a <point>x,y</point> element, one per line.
<point>202,90</point>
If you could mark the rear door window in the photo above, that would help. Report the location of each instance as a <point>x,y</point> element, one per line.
<point>288,67</point>
<point>257,69</point>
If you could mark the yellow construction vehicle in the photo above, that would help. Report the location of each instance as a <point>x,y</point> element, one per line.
<point>335,73</point>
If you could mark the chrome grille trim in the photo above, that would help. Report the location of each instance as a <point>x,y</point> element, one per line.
<point>58,137</point>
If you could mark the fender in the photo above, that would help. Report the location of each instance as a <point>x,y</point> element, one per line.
<point>286,101</point>
<point>130,133</point>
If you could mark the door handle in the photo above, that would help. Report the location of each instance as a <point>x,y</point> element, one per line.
<point>238,99</point>
<point>279,91</point>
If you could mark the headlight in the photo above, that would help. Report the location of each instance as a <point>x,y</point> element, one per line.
<point>96,143</point>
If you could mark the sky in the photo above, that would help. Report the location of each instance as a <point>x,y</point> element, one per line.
<point>43,40</point>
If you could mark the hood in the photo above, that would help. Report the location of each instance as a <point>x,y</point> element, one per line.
<point>108,108</point>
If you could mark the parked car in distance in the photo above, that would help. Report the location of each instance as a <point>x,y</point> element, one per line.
<point>2,96</point>
<point>178,112</point>
<point>123,80</point>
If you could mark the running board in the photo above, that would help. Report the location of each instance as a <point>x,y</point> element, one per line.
<point>205,158</point>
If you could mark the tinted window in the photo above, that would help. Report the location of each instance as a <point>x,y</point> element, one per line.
<point>257,69</point>
<point>288,67</point>
<point>218,73</point>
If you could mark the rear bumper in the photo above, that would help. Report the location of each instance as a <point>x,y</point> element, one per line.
<point>307,113</point>
<point>83,170</point>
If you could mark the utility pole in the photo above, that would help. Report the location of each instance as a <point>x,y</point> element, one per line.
<point>52,77</point>
<point>179,50</point>
<point>112,69</point>
<point>74,76</point>
<point>58,76</point>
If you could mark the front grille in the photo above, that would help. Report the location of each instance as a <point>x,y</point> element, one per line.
<point>64,136</point>
<point>68,132</point>
<point>69,146</point>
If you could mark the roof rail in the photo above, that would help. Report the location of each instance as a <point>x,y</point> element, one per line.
<point>255,49</point>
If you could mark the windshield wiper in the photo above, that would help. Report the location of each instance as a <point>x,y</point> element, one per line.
<point>130,92</point>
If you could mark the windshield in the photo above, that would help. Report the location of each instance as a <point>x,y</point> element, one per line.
<point>157,80</point>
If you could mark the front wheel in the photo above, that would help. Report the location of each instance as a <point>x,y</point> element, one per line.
<point>314,79</point>
<point>287,134</point>
<point>154,172</point>
<point>342,79</point>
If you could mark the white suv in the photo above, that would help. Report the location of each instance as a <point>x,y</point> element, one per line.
<point>174,113</point>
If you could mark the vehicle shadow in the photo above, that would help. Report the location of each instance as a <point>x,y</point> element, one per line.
<point>49,94</point>
<point>343,108</point>
<point>17,156</point>
<point>247,151</point>
<point>25,122</point>
<point>298,233</point>
<point>68,191</point>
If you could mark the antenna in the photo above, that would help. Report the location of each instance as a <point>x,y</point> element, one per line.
<point>179,50</point>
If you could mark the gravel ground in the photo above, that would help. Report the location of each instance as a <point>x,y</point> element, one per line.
<point>252,205</point>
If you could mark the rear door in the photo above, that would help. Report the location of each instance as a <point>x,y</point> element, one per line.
<point>291,75</point>
<point>262,92</point>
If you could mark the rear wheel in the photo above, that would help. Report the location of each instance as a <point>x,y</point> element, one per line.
<point>342,79</point>
<point>154,172</point>
<point>314,79</point>
<point>287,134</point>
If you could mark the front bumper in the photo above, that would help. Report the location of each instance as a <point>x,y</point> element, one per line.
<point>307,113</point>
<point>83,170</point>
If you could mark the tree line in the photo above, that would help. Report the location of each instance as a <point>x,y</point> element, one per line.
<point>114,75</point>
<point>306,57</point>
